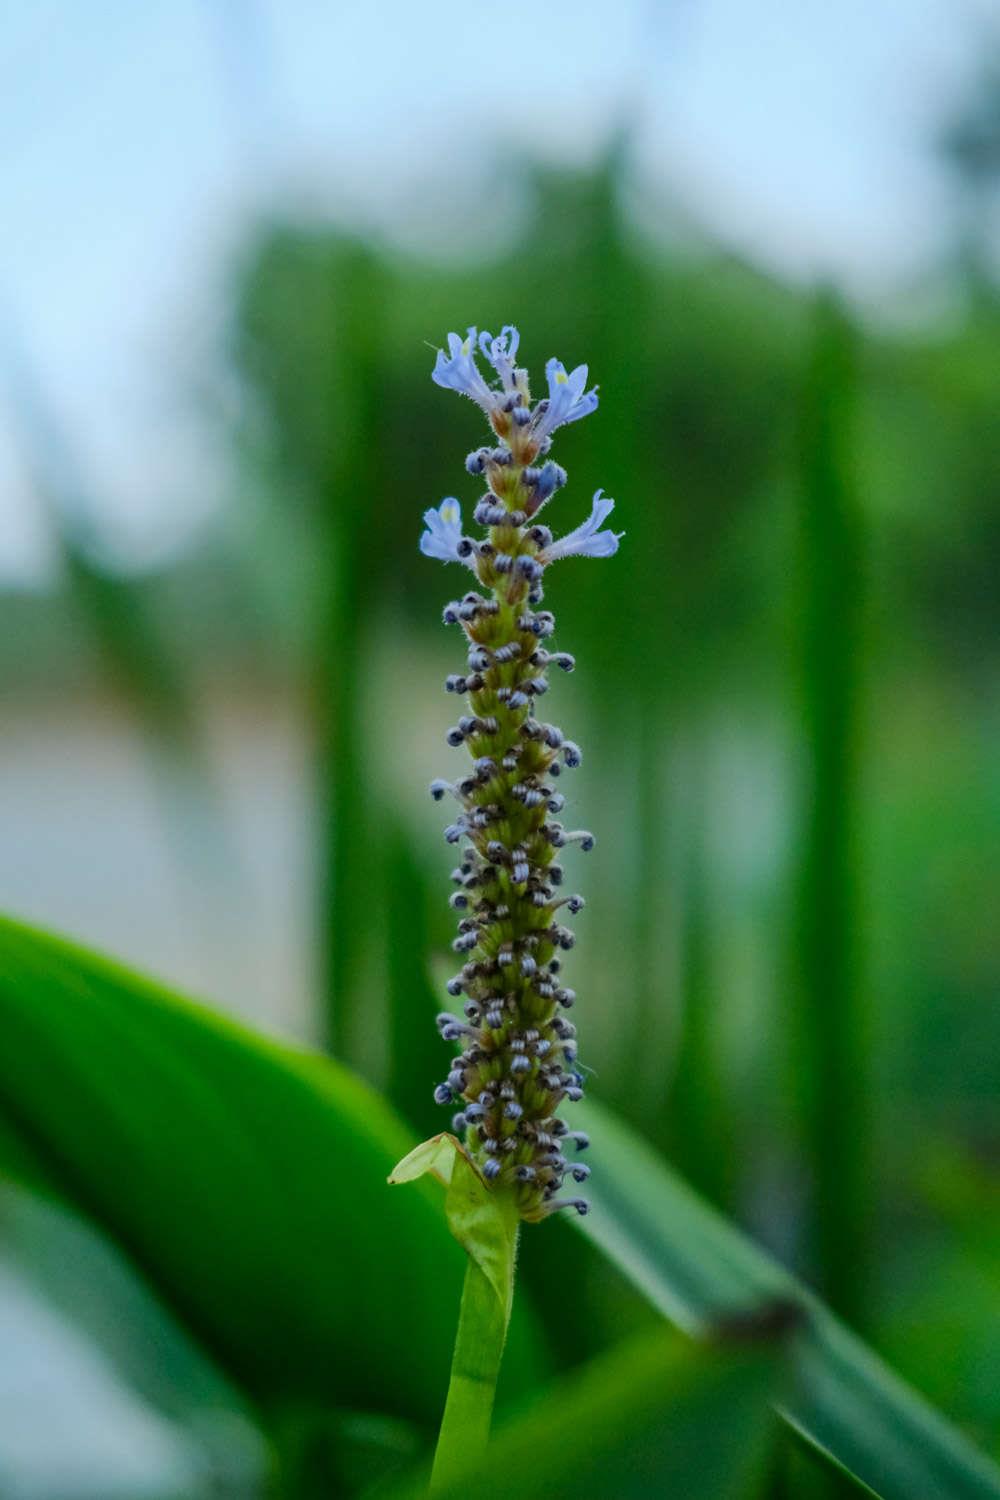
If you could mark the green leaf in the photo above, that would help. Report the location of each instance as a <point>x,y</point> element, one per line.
<point>83,1275</point>
<point>244,1179</point>
<point>656,1417</point>
<point>699,1270</point>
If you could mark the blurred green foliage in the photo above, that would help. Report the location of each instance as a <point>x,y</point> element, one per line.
<point>805,593</point>
<point>786,694</point>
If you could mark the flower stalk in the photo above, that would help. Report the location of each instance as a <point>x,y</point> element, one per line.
<point>483,1320</point>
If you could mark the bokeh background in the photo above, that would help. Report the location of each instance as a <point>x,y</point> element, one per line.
<point>234,230</point>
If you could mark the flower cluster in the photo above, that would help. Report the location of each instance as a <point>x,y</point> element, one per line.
<point>518,1057</point>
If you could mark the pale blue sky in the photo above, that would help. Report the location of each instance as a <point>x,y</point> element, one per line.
<point>137,141</point>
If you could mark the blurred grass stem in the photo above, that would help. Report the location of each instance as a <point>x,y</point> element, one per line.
<point>833,1085</point>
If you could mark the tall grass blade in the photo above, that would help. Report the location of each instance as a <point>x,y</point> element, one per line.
<point>351,478</point>
<point>832,1060</point>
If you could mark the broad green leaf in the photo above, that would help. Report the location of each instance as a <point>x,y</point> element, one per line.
<point>83,1275</point>
<point>244,1179</point>
<point>656,1417</point>
<point>699,1270</point>
<point>20,1162</point>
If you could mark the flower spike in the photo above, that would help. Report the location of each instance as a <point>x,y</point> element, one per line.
<point>517,1062</point>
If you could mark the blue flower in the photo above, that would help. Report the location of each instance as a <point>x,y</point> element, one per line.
<point>501,352</point>
<point>457,371</point>
<point>587,540</point>
<point>567,401</point>
<point>444,532</point>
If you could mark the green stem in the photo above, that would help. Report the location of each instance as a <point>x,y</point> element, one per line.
<point>475,1368</point>
<point>832,1065</point>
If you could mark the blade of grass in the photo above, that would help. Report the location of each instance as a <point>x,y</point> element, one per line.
<point>831,1060</point>
<point>699,1115</point>
<point>349,589</point>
